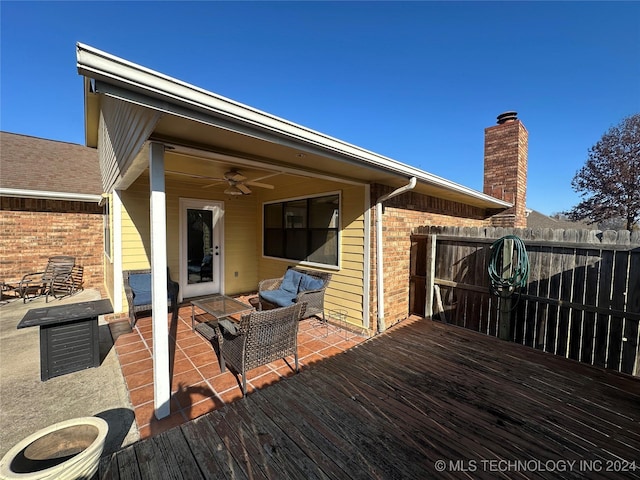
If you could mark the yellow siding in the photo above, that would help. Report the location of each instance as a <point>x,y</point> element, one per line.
<point>346,290</point>
<point>136,247</point>
<point>243,237</point>
<point>239,232</point>
<point>356,250</point>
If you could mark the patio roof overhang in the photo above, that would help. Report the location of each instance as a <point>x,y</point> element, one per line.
<point>204,125</point>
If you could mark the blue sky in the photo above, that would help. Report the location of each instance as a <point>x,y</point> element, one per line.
<point>415,81</point>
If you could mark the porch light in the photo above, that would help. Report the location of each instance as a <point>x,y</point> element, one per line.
<point>233,190</point>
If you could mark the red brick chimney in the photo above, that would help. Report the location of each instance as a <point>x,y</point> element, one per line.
<point>505,168</point>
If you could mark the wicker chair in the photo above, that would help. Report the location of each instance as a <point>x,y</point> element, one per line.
<point>305,286</point>
<point>137,287</point>
<point>56,280</point>
<point>263,337</point>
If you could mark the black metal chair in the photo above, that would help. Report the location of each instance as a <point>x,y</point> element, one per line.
<point>56,280</point>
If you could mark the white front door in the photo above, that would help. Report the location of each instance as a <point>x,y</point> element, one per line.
<point>200,247</point>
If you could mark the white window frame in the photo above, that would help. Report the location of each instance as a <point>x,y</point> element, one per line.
<point>339,232</point>
<point>106,229</point>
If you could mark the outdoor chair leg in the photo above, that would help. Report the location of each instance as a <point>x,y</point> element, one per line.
<point>244,384</point>
<point>297,366</point>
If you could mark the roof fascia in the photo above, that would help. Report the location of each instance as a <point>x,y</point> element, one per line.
<point>100,65</point>
<point>46,195</point>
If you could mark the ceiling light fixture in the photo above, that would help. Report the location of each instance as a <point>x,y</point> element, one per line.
<point>233,190</point>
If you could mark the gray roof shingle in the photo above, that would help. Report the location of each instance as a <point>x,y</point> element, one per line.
<point>32,163</point>
<point>536,219</point>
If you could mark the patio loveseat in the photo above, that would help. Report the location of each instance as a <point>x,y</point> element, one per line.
<point>298,285</point>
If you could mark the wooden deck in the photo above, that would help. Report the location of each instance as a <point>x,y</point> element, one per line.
<point>396,405</point>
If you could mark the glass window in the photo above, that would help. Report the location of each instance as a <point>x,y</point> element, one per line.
<point>273,215</point>
<point>323,212</point>
<point>324,247</point>
<point>295,214</point>
<point>303,230</point>
<point>199,245</point>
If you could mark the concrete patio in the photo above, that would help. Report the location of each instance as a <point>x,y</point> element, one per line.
<point>28,404</point>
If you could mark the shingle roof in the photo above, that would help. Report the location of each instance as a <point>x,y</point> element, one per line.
<point>536,219</point>
<point>32,163</point>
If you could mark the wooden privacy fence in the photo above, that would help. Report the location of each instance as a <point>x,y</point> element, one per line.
<point>581,301</point>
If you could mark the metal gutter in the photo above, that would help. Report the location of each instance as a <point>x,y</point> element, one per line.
<point>366,303</point>
<point>379,249</point>
<point>41,194</point>
<point>100,65</point>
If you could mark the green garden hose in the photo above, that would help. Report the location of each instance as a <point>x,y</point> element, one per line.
<point>506,284</point>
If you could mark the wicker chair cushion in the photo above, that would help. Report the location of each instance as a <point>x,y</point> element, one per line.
<point>279,297</point>
<point>140,283</point>
<point>290,282</point>
<point>309,283</point>
<point>228,326</point>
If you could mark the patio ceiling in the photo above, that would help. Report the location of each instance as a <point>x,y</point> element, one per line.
<point>273,153</point>
<point>208,173</point>
<point>213,128</point>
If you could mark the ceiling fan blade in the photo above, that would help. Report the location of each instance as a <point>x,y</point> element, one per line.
<point>232,176</point>
<point>212,184</point>
<point>261,185</point>
<point>192,175</point>
<point>243,188</point>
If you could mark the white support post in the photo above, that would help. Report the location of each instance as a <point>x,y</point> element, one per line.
<point>366,305</point>
<point>161,381</point>
<point>116,251</point>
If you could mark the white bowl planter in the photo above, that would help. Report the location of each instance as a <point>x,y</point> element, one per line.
<point>65,450</point>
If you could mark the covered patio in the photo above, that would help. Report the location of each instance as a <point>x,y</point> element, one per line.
<point>220,196</point>
<point>423,400</point>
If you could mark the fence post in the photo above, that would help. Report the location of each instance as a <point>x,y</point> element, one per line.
<point>504,327</point>
<point>431,275</point>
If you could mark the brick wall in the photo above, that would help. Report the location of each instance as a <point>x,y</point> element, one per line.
<point>402,214</point>
<point>35,229</point>
<point>505,170</point>
<point>505,178</point>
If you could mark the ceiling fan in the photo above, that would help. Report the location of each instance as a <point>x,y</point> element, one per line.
<point>236,180</point>
<point>238,183</point>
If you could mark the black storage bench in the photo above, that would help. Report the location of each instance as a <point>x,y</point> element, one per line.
<point>69,339</point>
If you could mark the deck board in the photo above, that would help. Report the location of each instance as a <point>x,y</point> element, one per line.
<point>394,405</point>
<point>245,430</point>
<point>209,449</point>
